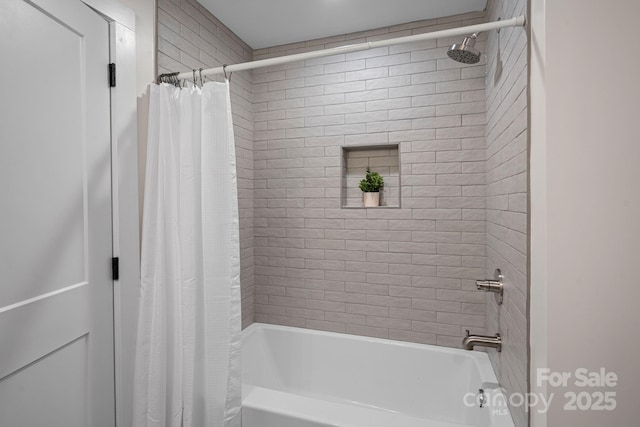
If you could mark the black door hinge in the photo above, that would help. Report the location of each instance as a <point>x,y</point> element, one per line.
<point>115,268</point>
<point>112,75</point>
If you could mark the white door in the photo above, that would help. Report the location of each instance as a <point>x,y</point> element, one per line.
<point>56,298</point>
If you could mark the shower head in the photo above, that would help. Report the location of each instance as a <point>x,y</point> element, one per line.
<point>465,52</point>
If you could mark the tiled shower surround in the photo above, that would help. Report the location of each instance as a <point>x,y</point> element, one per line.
<point>403,273</point>
<point>407,273</point>
<point>507,201</point>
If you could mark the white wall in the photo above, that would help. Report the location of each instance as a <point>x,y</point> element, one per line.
<point>146,70</point>
<point>145,57</point>
<point>145,11</point>
<point>135,70</point>
<point>586,204</point>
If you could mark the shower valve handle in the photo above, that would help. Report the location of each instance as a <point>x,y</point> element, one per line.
<point>494,285</point>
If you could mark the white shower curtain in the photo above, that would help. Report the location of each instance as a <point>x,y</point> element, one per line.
<point>188,349</point>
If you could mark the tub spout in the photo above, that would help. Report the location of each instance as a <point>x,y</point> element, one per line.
<point>471,341</point>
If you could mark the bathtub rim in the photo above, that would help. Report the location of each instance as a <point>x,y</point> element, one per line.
<point>480,358</point>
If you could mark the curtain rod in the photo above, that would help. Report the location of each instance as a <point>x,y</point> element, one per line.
<point>518,21</point>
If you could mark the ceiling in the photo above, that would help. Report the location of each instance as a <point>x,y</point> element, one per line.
<point>266,23</point>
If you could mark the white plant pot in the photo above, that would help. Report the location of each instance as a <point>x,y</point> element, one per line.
<point>371,199</point>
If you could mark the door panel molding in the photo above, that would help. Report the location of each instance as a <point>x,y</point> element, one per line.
<point>41,297</point>
<point>37,339</point>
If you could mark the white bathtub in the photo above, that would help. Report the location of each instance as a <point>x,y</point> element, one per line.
<point>303,378</point>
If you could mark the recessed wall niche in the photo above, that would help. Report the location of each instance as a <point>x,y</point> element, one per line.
<point>383,159</point>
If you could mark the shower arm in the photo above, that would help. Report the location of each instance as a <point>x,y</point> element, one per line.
<point>518,21</point>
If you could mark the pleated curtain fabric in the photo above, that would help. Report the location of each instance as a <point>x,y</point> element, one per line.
<point>188,350</point>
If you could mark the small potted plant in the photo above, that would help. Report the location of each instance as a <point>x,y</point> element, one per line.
<point>370,187</point>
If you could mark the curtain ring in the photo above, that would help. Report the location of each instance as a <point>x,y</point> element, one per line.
<point>224,70</point>
<point>201,79</point>
<point>195,83</point>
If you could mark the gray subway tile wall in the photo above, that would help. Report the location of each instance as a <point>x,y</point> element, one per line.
<point>406,273</point>
<point>507,199</point>
<point>189,37</point>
